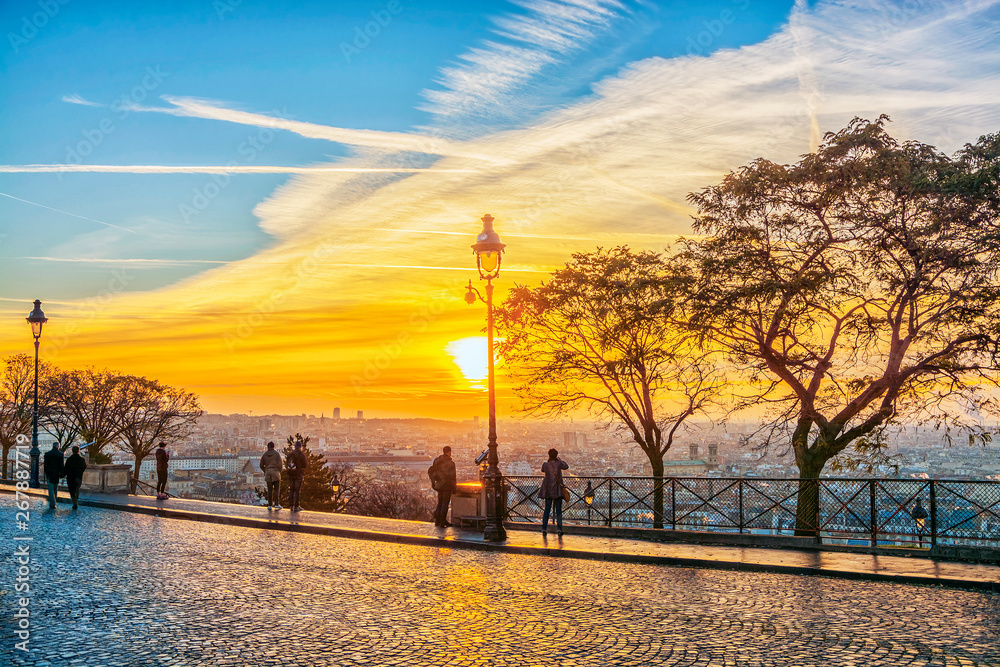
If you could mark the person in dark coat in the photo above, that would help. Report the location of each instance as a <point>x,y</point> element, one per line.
<point>297,464</point>
<point>444,480</point>
<point>75,465</point>
<point>162,468</point>
<point>270,465</point>
<point>53,472</point>
<point>551,490</point>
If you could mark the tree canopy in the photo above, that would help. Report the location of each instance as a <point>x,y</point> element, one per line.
<point>855,288</point>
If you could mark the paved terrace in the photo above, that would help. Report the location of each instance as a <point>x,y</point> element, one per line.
<point>127,588</point>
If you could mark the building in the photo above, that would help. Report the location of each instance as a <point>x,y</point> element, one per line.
<point>336,413</point>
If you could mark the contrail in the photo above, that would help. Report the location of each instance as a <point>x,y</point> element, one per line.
<point>82,217</point>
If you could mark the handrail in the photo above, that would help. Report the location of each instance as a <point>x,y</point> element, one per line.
<point>845,510</point>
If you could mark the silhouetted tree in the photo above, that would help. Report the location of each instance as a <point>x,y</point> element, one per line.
<point>854,288</point>
<point>592,338</point>
<point>317,483</point>
<point>86,402</point>
<point>17,392</point>
<point>149,412</point>
<point>393,500</point>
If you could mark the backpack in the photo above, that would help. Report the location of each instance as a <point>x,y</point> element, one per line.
<point>433,474</point>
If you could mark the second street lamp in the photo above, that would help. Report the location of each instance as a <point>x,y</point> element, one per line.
<point>488,250</point>
<point>36,319</point>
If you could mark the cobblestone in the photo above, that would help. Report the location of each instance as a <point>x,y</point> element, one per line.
<point>113,588</point>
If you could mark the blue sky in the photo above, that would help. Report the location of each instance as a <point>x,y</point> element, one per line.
<point>323,191</point>
<point>286,59</point>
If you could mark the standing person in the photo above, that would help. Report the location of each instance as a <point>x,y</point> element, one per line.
<point>297,464</point>
<point>552,490</point>
<point>919,515</point>
<point>162,459</point>
<point>270,464</point>
<point>443,480</point>
<point>75,465</point>
<point>53,471</point>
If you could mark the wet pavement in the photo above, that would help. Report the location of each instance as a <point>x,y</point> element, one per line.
<point>873,567</point>
<point>122,588</point>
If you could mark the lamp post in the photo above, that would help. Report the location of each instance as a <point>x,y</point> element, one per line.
<point>488,250</point>
<point>588,497</point>
<point>335,487</point>
<point>36,319</point>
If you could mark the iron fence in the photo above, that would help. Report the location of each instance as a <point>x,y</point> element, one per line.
<point>917,513</point>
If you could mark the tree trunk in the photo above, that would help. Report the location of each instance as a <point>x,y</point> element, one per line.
<point>657,463</point>
<point>134,482</point>
<point>6,451</point>
<point>807,505</point>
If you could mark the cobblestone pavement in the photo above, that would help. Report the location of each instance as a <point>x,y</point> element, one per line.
<point>113,588</point>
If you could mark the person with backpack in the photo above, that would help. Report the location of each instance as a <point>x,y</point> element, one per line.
<point>443,480</point>
<point>552,490</point>
<point>75,465</point>
<point>270,465</point>
<point>53,472</point>
<point>162,469</point>
<point>297,464</point>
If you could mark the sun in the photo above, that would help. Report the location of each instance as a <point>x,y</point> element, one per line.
<point>469,354</point>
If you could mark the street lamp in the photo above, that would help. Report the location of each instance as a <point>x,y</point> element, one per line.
<point>36,319</point>
<point>335,487</point>
<point>588,497</point>
<point>488,250</point>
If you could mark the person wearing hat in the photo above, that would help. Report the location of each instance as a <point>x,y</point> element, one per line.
<point>270,465</point>
<point>75,465</point>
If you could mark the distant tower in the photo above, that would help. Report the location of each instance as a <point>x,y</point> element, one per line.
<point>569,439</point>
<point>336,413</point>
<point>581,440</point>
<point>693,452</point>
<point>361,414</point>
<point>713,453</point>
<point>475,420</point>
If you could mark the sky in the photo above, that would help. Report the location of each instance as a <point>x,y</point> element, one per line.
<point>271,204</point>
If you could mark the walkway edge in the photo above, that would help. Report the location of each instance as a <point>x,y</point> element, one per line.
<point>458,543</point>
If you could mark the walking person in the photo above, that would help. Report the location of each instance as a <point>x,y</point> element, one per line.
<point>444,481</point>
<point>270,464</point>
<point>162,468</point>
<point>75,465</point>
<point>53,472</point>
<point>297,464</point>
<point>552,490</point>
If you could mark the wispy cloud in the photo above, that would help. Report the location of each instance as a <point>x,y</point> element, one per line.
<point>384,141</point>
<point>484,84</point>
<point>76,99</point>
<point>216,169</point>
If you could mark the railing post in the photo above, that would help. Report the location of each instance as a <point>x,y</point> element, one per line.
<point>739,485</point>
<point>610,505</point>
<point>873,511</point>
<point>673,503</point>
<point>934,528</point>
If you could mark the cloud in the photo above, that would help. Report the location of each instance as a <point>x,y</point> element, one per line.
<point>217,169</point>
<point>484,86</point>
<point>76,99</point>
<point>384,141</point>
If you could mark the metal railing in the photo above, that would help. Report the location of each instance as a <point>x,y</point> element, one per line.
<point>862,512</point>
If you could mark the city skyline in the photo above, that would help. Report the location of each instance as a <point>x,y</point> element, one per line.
<point>261,278</point>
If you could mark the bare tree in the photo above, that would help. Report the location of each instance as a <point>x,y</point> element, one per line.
<point>393,500</point>
<point>87,403</point>
<point>148,412</point>
<point>592,338</point>
<point>17,399</point>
